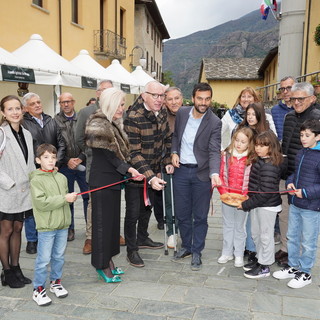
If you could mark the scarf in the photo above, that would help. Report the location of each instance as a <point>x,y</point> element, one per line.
<point>237,114</point>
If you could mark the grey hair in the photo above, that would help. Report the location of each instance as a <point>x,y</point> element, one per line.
<point>289,77</point>
<point>27,97</point>
<point>303,86</point>
<point>110,100</point>
<point>172,89</point>
<point>150,83</point>
<point>103,81</point>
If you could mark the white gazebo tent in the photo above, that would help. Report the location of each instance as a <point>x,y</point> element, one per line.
<point>141,77</point>
<point>122,78</point>
<point>38,55</point>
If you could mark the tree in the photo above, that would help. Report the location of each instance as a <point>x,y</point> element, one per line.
<point>167,78</point>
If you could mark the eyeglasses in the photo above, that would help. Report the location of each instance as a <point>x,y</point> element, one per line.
<point>300,99</point>
<point>156,96</point>
<point>66,101</point>
<point>283,89</point>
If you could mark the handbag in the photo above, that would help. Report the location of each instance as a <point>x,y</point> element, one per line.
<point>3,143</point>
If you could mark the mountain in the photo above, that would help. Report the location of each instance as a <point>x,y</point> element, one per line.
<point>248,36</point>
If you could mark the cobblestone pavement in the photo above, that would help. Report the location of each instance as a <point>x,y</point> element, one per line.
<point>163,289</point>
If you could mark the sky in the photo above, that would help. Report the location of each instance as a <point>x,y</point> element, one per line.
<point>183,17</point>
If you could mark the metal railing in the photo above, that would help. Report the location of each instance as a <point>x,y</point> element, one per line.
<point>109,44</point>
<point>269,93</point>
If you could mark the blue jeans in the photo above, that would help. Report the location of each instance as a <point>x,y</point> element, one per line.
<point>30,229</point>
<point>249,241</point>
<point>303,232</point>
<point>51,248</point>
<point>80,177</point>
<point>192,200</point>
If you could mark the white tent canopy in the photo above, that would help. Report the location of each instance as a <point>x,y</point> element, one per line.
<point>118,74</point>
<point>141,77</point>
<point>39,56</point>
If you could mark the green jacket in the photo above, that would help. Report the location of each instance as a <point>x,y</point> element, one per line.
<point>50,209</point>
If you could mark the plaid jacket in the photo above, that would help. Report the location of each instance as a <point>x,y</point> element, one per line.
<point>149,139</point>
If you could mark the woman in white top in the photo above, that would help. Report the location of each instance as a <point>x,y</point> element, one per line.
<point>234,116</point>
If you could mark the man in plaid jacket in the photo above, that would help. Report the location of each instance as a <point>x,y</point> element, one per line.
<point>149,138</point>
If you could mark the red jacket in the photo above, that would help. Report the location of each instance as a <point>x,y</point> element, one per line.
<point>234,174</point>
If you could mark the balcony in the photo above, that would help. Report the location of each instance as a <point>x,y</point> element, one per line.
<point>108,45</point>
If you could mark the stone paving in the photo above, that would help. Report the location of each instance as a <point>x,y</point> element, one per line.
<point>163,289</point>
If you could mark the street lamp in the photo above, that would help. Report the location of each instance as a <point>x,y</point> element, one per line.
<point>142,60</point>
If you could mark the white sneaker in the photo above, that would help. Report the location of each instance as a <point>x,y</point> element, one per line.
<point>40,297</point>
<point>170,242</point>
<point>225,259</point>
<point>57,288</point>
<point>238,262</point>
<point>300,280</point>
<point>285,273</point>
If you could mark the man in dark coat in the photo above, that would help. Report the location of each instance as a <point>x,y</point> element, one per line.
<point>303,101</point>
<point>43,130</point>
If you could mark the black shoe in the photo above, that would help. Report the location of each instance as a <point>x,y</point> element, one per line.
<point>181,254</point>
<point>252,256</point>
<point>8,278</point>
<point>250,265</point>
<point>18,273</point>
<point>283,262</point>
<point>259,271</point>
<point>149,244</point>
<point>279,255</point>
<point>70,235</point>
<point>196,262</point>
<point>160,225</point>
<point>134,259</point>
<point>31,247</point>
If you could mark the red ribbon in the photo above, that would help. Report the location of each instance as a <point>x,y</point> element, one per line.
<point>238,189</point>
<point>146,199</point>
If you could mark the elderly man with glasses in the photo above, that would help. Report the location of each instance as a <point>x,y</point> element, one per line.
<point>149,139</point>
<point>73,168</point>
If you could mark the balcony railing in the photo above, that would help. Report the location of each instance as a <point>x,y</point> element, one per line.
<point>108,44</point>
<point>269,94</point>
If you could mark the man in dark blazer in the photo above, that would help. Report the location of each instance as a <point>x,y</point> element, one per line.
<point>196,144</point>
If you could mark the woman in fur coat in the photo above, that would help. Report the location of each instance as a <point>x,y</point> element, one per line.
<point>110,163</point>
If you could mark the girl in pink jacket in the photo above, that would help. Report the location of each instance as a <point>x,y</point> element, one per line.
<point>234,174</point>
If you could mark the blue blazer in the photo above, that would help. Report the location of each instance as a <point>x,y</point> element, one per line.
<point>207,143</point>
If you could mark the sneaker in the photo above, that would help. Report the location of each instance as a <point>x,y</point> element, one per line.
<point>252,256</point>
<point>196,262</point>
<point>260,271</point>
<point>238,262</point>
<point>40,297</point>
<point>150,244</point>
<point>285,273</point>
<point>250,265</point>
<point>225,259</point>
<point>181,254</point>
<point>170,242</point>
<point>57,288</point>
<point>300,280</point>
<point>31,247</point>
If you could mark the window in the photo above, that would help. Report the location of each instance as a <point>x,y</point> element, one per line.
<point>38,3</point>
<point>147,64</point>
<point>147,24</point>
<point>151,25</point>
<point>75,11</point>
<point>151,67</point>
<point>121,23</point>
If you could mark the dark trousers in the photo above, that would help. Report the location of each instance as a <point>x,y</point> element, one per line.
<point>79,176</point>
<point>136,213</point>
<point>192,200</point>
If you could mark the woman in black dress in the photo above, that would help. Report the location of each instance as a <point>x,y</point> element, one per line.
<point>110,163</point>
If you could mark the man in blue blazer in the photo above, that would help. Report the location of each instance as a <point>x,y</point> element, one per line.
<point>196,144</point>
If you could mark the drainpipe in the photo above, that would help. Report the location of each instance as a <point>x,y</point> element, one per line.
<point>60,28</point>
<point>116,26</point>
<point>307,40</point>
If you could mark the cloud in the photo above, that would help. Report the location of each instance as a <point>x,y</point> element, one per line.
<point>183,17</point>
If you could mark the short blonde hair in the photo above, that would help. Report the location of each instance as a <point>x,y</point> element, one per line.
<point>110,100</point>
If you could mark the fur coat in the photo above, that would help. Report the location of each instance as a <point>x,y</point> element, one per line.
<point>100,133</point>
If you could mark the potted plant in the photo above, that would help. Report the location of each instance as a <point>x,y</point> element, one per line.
<point>317,35</point>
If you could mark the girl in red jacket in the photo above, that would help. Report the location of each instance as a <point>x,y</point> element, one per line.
<point>234,174</point>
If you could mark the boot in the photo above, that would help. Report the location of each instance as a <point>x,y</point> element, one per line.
<point>18,273</point>
<point>9,278</point>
